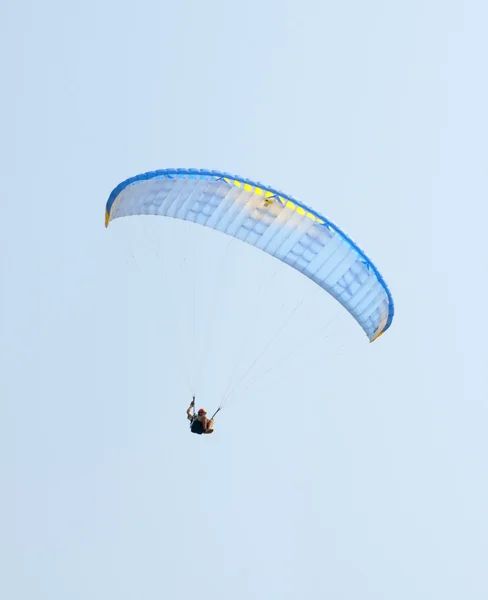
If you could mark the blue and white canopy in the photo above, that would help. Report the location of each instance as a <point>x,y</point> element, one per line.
<point>271,221</point>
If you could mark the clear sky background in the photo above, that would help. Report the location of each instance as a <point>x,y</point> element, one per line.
<point>338,469</point>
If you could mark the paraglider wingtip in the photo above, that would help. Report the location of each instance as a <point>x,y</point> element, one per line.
<point>376,336</point>
<point>107,218</point>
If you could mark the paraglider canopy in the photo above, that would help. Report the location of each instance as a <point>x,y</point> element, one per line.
<point>271,221</point>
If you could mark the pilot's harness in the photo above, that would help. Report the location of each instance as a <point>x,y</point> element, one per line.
<point>195,414</point>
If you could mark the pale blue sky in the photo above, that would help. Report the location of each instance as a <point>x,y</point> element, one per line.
<point>349,470</point>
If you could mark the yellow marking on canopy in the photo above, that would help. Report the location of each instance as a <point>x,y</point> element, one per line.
<point>381,328</point>
<point>379,334</point>
<point>268,195</point>
<point>114,205</point>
